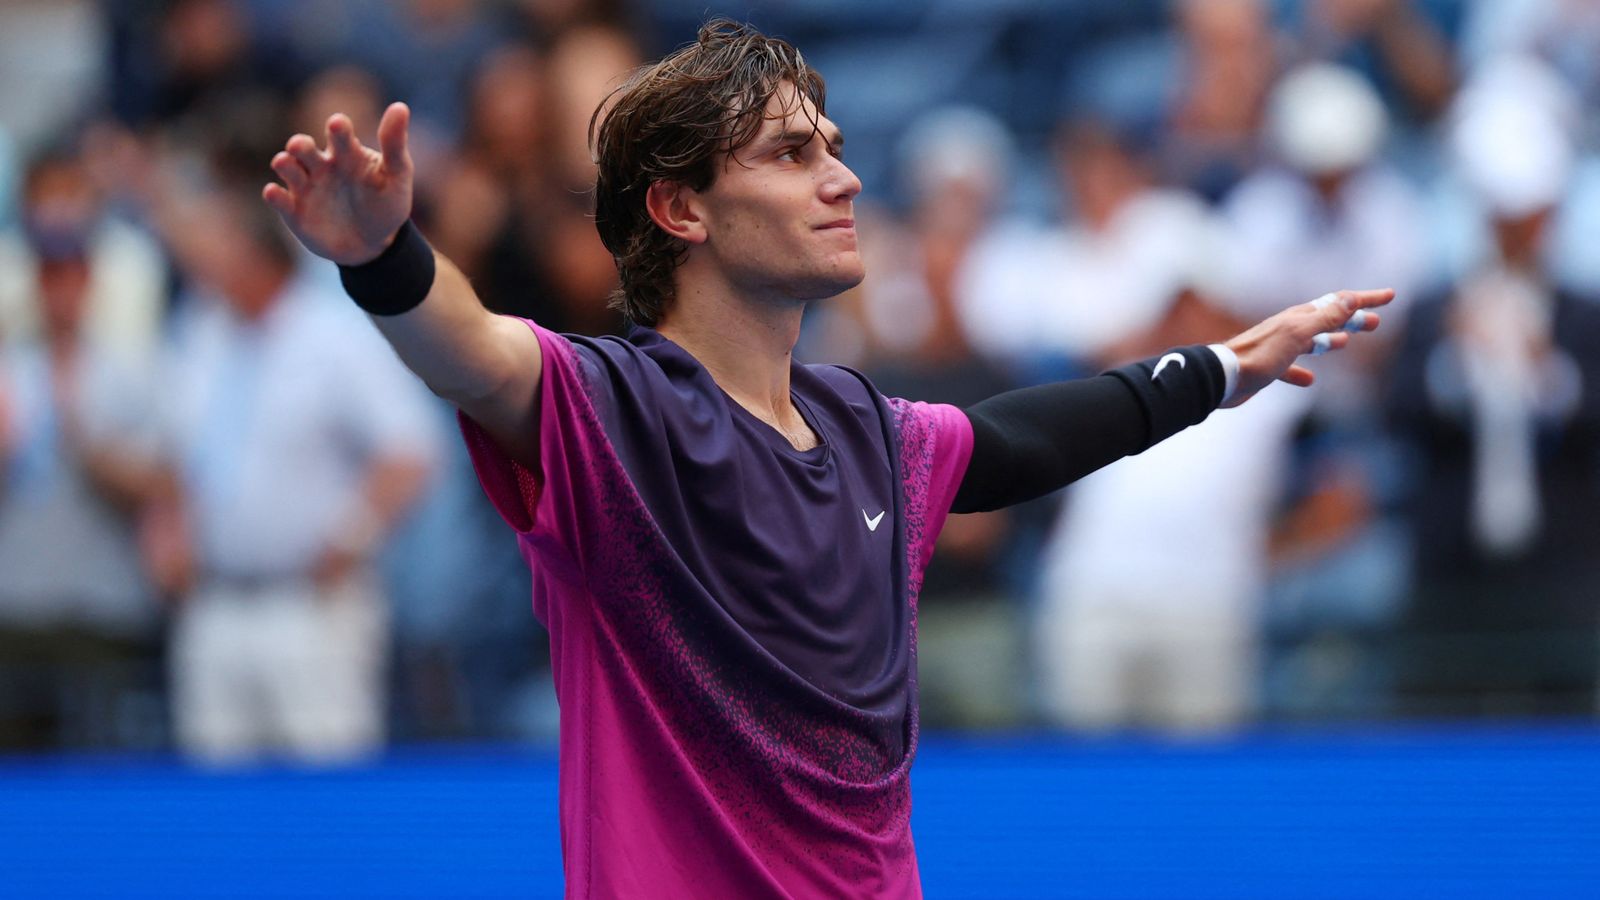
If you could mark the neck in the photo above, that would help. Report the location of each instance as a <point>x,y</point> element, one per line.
<point>746,346</point>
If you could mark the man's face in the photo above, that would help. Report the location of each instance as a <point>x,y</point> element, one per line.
<point>779,216</point>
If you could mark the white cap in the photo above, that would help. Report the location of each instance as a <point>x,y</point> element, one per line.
<point>1324,118</point>
<point>1511,135</point>
<point>956,143</point>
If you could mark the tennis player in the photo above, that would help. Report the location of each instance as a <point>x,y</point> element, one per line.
<point>727,545</point>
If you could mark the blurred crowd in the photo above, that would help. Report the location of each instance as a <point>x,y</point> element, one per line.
<point>231,522</point>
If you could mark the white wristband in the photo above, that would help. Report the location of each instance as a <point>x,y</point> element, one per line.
<point>1230,369</point>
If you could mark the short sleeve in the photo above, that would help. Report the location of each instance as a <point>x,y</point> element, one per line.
<point>935,444</point>
<point>548,498</point>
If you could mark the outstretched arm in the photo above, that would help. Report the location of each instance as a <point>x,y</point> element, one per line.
<point>1029,442</point>
<point>349,203</point>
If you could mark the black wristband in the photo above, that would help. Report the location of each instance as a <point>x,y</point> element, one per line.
<point>398,280</point>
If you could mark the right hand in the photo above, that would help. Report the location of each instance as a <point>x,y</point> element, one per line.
<point>345,203</point>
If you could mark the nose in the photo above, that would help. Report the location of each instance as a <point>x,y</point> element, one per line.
<point>840,183</point>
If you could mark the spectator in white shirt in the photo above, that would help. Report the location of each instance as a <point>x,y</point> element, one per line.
<point>298,440</point>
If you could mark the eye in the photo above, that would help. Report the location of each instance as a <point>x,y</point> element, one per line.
<point>791,153</point>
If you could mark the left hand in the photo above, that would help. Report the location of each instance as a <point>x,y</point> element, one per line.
<point>1267,352</point>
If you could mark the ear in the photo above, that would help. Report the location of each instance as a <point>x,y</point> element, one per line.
<point>673,208</point>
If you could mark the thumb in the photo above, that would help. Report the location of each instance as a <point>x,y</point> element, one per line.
<point>392,137</point>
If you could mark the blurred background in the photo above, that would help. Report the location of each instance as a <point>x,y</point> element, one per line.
<point>198,432</point>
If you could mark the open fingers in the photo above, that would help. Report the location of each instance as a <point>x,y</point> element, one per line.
<point>1368,299</point>
<point>1327,341</point>
<point>1299,376</point>
<point>1347,311</point>
<point>1351,301</point>
<point>289,169</point>
<point>1361,320</point>
<point>392,136</point>
<point>278,197</point>
<point>305,152</point>
<point>343,146</point>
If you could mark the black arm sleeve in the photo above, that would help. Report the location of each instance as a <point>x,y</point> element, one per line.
<point>1029,442</point>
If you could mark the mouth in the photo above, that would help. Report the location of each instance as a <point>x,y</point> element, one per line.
<point>849,224</point>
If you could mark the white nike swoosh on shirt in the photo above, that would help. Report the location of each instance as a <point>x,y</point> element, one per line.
<point>1162,364</point>
<point>872,521</point>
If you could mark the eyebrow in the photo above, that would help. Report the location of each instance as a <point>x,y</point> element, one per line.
<point>793,136</point>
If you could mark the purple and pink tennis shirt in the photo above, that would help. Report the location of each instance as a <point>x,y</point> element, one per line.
<point>732,621</point>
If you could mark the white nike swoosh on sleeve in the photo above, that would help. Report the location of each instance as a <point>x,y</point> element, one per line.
<point>1162,364</point>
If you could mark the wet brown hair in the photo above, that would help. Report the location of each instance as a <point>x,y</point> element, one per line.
<point>678,120</point>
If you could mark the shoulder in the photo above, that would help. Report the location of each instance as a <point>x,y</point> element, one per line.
<point>847,382</point>
<point>607,356</point>
<point>641,385</point>
<point>844,385</point>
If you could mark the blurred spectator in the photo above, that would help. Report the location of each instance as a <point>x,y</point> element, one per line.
<point>1105,275</point>
<point>586,65</point>
<point>489,208</point>
<point>583,67</point>
<point>1403,45</point>
<point>955,162</point>
<point>194,61</point>
<point>424,51</point>
<point>1331,212</point>
<point>1498,394</point>
<point>298,441</point>
<point>1154,576</point>
<point>52,63</point>
<point>77,466</point>
<point>61,209</point>
<point>471,660</point>
<point>545,21</point>
<point>1564,33</point>
<point>1229,61</point>
<point>501,209</point>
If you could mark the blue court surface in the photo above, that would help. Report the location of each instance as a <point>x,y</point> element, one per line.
<point>1437,811</point>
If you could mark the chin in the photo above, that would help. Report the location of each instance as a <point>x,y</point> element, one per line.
<point>847,275</point>
<point>834,285</point>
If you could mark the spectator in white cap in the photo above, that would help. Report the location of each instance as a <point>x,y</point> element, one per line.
<point>1498,391</point>
<point>1332,203</point>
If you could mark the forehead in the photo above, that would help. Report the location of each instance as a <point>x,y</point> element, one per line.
<point>789,110</point>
